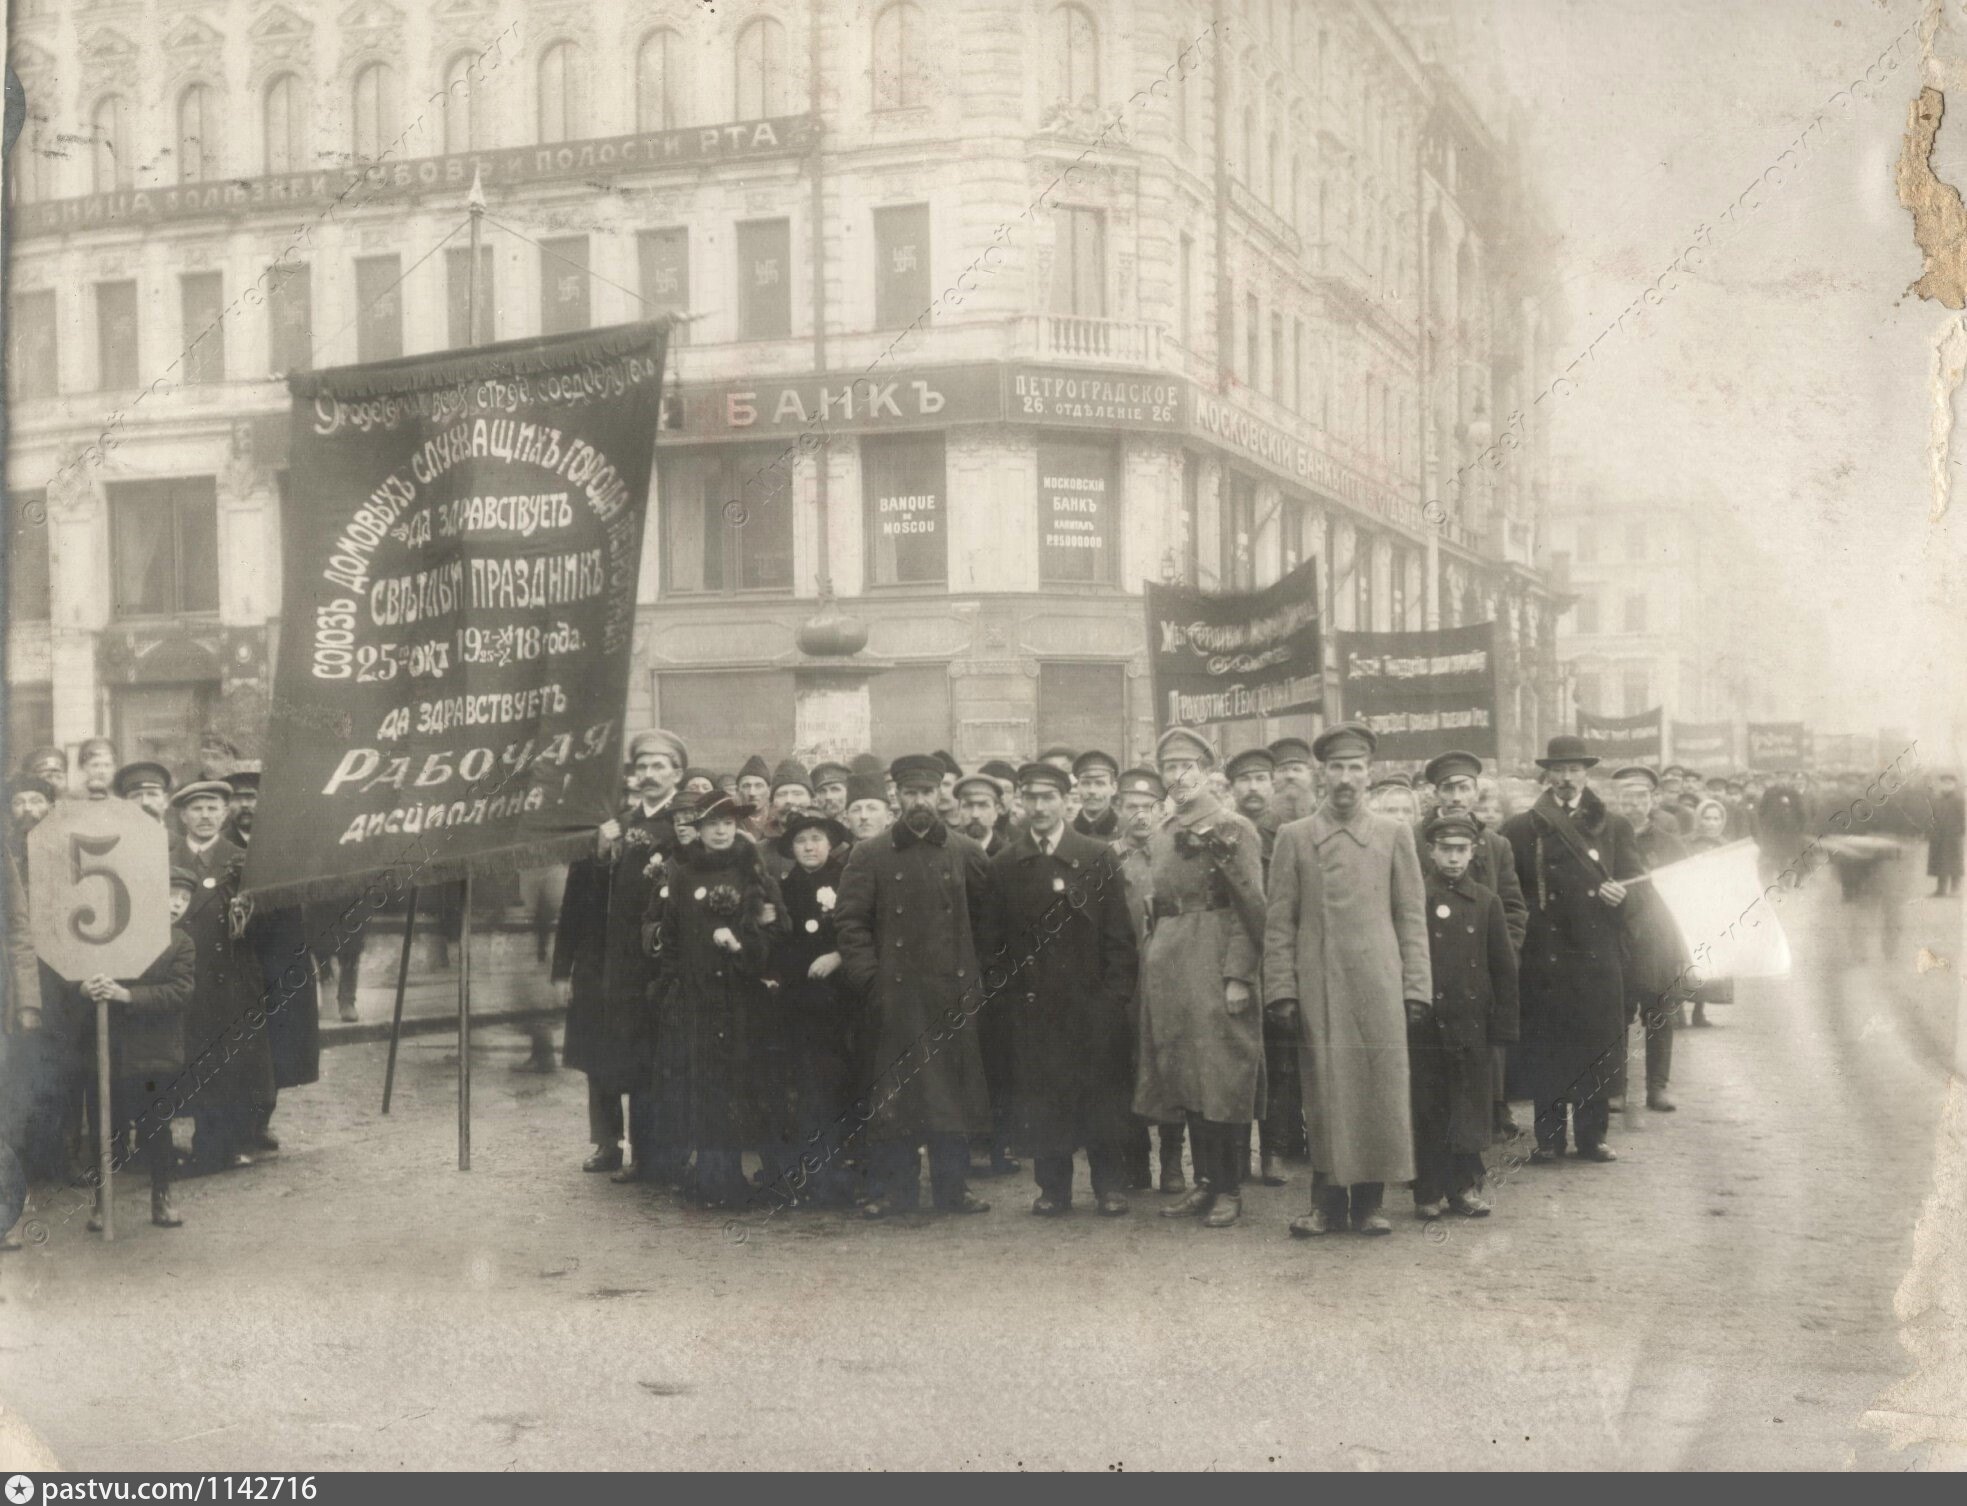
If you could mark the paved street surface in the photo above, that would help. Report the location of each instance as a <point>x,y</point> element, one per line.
<point>1721,1296</point>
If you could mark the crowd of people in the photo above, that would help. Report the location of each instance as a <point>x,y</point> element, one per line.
<point>1285,957</point>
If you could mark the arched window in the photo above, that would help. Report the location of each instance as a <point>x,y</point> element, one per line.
<point>283,125</point>
<point>900,76</point>
<point>1072,50</point>
<point>198,142</point>
<point>560,92</point>
<point>374,112</point>
<point>114,160</point>
<point>31,168</point>
<point>763,88</point>
<point>463,119</point>
<point>658,82</point>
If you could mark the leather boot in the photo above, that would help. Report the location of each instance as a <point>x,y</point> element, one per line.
<point>1197,1203</point>
<point>1272,1173</point>
<point>162,1213</point>
<point>1657,1101</point>
<point>1227,1210</point>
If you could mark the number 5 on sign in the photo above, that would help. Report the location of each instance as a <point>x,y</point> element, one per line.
<point>98,878</point>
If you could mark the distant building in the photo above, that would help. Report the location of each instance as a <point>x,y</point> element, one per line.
<point>1199,320</point>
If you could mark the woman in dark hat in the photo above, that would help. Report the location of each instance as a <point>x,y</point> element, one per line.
<point>713,915</point>
<point>806,1043</point>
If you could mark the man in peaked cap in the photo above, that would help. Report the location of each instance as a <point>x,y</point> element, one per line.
<point>904,922</point>
<point>1574,859</point>
<point>1059,756</point>
<point>946,801</point>
<point>830,787</point>
<point>1252,776</point>
<point>1281,1129</point>
<point>148,784</point>
<point>1139,800</point>
<point>1061,957</point>
<point>1293,796</point>
<point>1656,955</point>
<point>980,810</point>
<point>1346,962</point>
<point>1094,777</point>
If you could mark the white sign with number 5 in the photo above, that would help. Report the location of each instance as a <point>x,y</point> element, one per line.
<point>98,876</point>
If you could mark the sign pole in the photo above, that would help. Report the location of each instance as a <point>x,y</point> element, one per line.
<point>402,981</point>
<point>104,1159</point>
<point>464,1030</point>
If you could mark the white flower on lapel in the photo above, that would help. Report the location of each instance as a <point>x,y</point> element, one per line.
<point>826,897</point>
<point>701,892</point>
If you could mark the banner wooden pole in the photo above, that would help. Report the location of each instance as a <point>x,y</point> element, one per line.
<point>464,1030</point>
<point>402,982</point>
<point>104,1156</point>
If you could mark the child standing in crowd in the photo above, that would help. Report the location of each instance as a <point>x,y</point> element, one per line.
<point>146,1053</point>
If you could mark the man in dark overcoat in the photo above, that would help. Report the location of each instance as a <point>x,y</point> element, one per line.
<point>1573,859</point>
<point>1057,942</point>
<point>1656,954</point>
<point>1473,1009</point>
<point>604,972</point>
<point>1096,780</point>
<point>907,948</point>
<point>229,1059</point>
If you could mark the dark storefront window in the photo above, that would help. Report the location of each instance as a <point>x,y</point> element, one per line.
<point>665,258</point>
<point>727,518</point>
<point>464,328</point>
<point>379,305</point>
<point>27,557</point>
<point>164,545</point>
<point>1078,507</point>
<point>765,280</point>
<point>901,266</point>
<point>290,318</point>
<point>31,360</point>
<point>116,335</point>
<point>906,500</point>
<point>202,299</point>
<point>563,285</point>
<point>1239,515</point>
<point>725,716</point>
<point>1082,706</point>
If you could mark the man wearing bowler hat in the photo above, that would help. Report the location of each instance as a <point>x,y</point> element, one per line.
<point>1573,859</point>
<point>1346,959</point>
<point>1059,952</point>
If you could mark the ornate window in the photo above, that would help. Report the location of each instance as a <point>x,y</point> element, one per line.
<point>463,119</point>
<point>560,92</point>
<point>198,142</point>
<point>764,87</point>
<point>283,125</point>
<point>900,76</point>
<point>115,161</point>
<point>1072,52</point>
<point>659,82</point>
<point>374,112</point>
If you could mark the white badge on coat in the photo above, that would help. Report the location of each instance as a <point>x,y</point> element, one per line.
<point>210,883</point>
<point>1594,853</point>
<point>701,892</point>
<point>1058,886</point>
<point>1442,911</point>
<point>812,926</point>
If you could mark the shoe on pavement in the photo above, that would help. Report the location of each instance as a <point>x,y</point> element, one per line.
<point>1599,1153</point>
<point>1112,1205</point>
<point>348,1014</point>
<point>632,1173</point>
<point>604,1160</point>
<point>1273,1173</point>
<point>236,1161</point>
<point>882,1207</point>
<point>1227,1210</point>
<point>1318,1221</point>
<point>969,1202</point>
<point>1431,1211</point>
<point>1198,1202</point>
<point>266,1142</point>
<point>162,1213</point>
<point>1172,1179</point>
<point>1470,1204</point>
<point>95,1219</point>
<point>1546,1155</point>
<point>1658,1102</point>
<point>1005,1166</point>
<point>1375,1222</point>
<point>1047,1206</point>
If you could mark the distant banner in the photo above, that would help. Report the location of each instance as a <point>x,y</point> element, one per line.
<point>1731,930</point>
<point>1775,746</point>
<point>1622,739</point>
<point>1845,751</point>
<point>1704,745</point>
<point>1423,693</point>
<point>462,536</point>
<point>1235,657</point>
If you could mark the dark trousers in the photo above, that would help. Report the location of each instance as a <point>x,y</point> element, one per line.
<point>1054,1172</point>
<point>219,1132</point>
<point>1283,1124</point>
<point>605,1122</point>
<point>1361,1199</point>
<point>1439,1169</point>
<point>1656,1016</point>
<point>896,1170</point>
<point>147,1143</point>
<point>1590,1116</point>
<point>1222,1153</point>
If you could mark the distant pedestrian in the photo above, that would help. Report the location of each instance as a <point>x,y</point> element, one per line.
<point>1943,845</point>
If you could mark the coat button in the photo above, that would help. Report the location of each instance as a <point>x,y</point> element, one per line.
<point>959,972</point>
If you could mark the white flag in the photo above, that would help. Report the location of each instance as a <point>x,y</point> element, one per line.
<point>1716,899</point>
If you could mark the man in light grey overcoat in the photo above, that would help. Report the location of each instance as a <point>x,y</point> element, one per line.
<point>1346,956</point>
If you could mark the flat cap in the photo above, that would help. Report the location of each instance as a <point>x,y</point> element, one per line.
<point>980,780</point>
<point>1258,760</point>
<point>865,763</point>
<point>950,765</point>
<point>1346,740</point>
<point>1093,758</point>
<point>1291,750</point>
<point>218,789</point>
<point>918,768</point>
<point>828,772</point>
<point>657,740</point>
<point>1057,750</point>
<point>1449,823</point>
<point>243,779</point>
<point>1143,782</point>
<point>1184,742</point>
<point>141,775</point>
<point>1451,765</point>
<point>1002,770</point>
<point>1637,771</point>
<point>1395,781</point>
<point>1040,773</point>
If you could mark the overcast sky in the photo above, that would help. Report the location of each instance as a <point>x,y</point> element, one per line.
<point>1790,376</point>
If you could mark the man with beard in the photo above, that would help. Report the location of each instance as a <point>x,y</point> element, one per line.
<point>277,941</point>
<point>1062,965</point>
<point>907,949</point>
<point>603,972</point>
<point>980,812</point>
<point>1094,777</point>
<point>48,764</point>
<point>868,811</point>
<point>830,788</point>
<point>1282,1127</point>
<point>1201,1037</point>
<point>754,793</point>
<point>792,790</point>
<point>1292,797</point>
<point>240,1087</point>
<point>1139,802</point>
<point>1457,780</point>
<point>1573,858</point>
<point>1346,963</point>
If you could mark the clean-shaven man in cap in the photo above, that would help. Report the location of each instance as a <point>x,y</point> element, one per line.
<point>1346,958</point>
<point>830,788</point>
<point>1095,777</point>
<point>1574,859</point>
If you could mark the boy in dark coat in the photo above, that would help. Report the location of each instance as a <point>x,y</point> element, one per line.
<point>146,1053</point>
<point>1449,1041</point>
